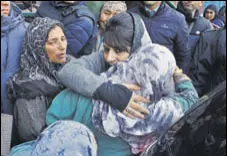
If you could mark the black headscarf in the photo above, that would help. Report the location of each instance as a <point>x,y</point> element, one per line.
<point>212,7</point>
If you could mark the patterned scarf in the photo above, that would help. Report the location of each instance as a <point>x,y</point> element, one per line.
<point>151,67</point>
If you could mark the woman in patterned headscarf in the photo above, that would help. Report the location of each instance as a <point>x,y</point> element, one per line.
<point>33,87</point>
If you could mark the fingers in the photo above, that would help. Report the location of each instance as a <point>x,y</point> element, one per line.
<point>177,71</point>
<point>128,115</point>
<point>139,108</point>
<point>138,98</point>
<point>132,113</point>
<point>132,87</point>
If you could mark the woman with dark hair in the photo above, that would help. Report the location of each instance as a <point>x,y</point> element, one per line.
<point>211,13</point>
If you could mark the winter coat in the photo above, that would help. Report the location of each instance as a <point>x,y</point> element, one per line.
<point>167,27</point>
<point>79,24</point>
<point>12,33</point>
<point>208,65</point>
<point>35,84</point>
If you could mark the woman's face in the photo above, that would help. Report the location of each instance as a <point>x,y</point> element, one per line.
<point>56,45</point>
<point>209,14</point>
<point>113,56</point>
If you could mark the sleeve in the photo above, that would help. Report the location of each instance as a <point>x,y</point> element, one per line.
<point>118,96</point>
<point>185,94</point>
<point>182,51</point>
<point>170,109</point>
<point>83,75</point>
<point>68,105</point>
<point>209,26</point>
<point>78,34</point>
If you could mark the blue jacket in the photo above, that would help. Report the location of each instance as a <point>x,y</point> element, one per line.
<point>168,27</point>
<point>12,33</point>
<point>79,23</point>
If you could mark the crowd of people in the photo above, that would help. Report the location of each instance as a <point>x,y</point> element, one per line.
<point>108,81</point>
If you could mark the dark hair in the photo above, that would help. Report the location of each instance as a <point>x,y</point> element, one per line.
<point>53,27</point>
<point>118,32</point>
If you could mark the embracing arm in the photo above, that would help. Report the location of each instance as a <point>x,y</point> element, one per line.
<point>171,108</point>
<point>83,75</point>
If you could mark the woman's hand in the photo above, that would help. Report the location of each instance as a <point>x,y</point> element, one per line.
<point>133,109</point>
<point>179,76</point>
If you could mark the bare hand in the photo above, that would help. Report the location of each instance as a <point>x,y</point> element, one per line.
<point>134,110</point>
<point>132,87</point>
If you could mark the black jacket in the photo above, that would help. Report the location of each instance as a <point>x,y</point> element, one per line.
<point>208,66</point>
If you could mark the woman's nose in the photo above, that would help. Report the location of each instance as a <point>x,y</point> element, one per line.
<point>62,45</point>
<point>111,57</point>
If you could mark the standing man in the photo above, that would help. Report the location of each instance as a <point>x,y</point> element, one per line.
<point>166,27</point>
<point>196,23</point>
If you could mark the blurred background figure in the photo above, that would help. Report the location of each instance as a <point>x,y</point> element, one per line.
<point>211,14</point>
<point>108,10</point>
<point>221,13</point>
<point>13,29</point>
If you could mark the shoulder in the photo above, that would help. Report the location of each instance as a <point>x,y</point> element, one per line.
<point>202,20</point>
<point>174,15</point>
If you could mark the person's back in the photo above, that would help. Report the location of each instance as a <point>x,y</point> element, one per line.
<point>167,27</point>
<point>12,33</point>
<point>208,65</point>
<point>79,23</point>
